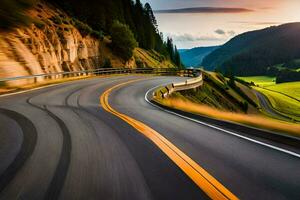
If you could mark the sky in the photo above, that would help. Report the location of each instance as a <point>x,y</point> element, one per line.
<point>194,23</point>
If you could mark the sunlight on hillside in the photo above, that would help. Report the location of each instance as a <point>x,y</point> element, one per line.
<point>291,89</point>
<point>261,81</point>
<point>282,103</point>
<point>252,120</point>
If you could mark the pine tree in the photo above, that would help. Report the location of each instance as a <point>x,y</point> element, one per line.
<point>100,15</point>
<point>170,48</point>
<point>177,59</point>
<point>150,13</point>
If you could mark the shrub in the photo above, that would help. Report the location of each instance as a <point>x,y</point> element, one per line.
<point>245,106</point>
<point>221,77</point>
<point>123,41</point>
<point>287,75</point>
<point>83,28</point>
<point>139,64</point>
<point>107,63</point>
<point>241,81</point>
<point>98,35</point>
<point>39,24</point>
<point>238,90</point>
<point>57,20</point>
<point>65,21</point>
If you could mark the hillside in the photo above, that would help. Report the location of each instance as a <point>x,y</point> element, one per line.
<point>194,57</point>
<point>55,42</point>
<point>253,52</point>
<point>218,92</point>
<point>284,97</point>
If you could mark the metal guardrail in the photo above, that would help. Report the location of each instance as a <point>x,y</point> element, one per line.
<point>79,73</point>
<point>100,71</point>
<point>187,85</point>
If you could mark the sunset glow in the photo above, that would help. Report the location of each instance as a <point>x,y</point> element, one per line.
<point>204,29</point>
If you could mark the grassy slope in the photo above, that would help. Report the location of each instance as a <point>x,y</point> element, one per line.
<point>258,121</point>
<point>217,94</point>
<point>211,102</point>
<point>152,59</point>
<point>284,97</point>
<point>282,103</point>
<point>291,89</point>
<point>261,81</point>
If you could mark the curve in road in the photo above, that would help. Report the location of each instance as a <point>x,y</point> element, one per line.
<point>112,160</point>
<point>28,144</point>
<point>213,188</point>
<point>266,105</point>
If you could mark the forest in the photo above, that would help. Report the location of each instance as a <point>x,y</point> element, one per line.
<point>252,53</point>
<point>102,14</point>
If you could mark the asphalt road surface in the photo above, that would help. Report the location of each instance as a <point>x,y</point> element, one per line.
<point>59,143</point>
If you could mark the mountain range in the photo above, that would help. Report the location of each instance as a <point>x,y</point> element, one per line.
<point>252,53</point>
<point>193,57</point>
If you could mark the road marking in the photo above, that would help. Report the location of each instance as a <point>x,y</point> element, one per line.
<point>47,86</point>
<point>220,129</point>
<point>213,188</point>
<point>29,90</point>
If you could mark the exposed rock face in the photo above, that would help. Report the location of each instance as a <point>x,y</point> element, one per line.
<point>53,44</point>
<point>48,49</point>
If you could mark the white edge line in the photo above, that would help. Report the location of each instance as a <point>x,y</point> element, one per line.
<point>41,87</point>
<point>220,129</point>
<point>30,90</point>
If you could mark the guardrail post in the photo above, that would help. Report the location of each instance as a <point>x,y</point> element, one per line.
<point>167,89</point>
<point>162,94</point>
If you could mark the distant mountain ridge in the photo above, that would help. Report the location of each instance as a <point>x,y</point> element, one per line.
<point>251,53</point>
<point>193,57</point>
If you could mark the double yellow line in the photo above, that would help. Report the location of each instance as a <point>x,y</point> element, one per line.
<point>213,188</point>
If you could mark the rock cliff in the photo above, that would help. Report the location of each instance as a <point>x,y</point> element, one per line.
<point>53,43</point>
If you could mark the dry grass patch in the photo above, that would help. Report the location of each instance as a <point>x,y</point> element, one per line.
<point>251,120</point>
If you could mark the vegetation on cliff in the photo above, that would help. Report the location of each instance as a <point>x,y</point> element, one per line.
<point>98,18</point>
<point>123,41</point>
<point>102,14</point>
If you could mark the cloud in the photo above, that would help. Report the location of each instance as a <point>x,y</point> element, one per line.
<point>231,33</point>
<point>220,32</point>
<point>187,37</point>
<point>256,23</point>
<point>205,10</point>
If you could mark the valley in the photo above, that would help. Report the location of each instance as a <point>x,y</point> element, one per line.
<point>284,97</point>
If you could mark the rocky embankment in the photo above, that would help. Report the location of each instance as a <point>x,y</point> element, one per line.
<point>52,43</point>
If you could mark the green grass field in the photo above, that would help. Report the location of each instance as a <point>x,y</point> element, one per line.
<point>290,89</point>
<point>262,81</point>
<point>282,103</point>
<point>283,97</point>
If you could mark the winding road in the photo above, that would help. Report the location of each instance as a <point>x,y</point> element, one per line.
<point>60,142</point>
<point>267,107</point>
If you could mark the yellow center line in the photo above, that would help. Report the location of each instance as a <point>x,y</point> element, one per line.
<point>213,188</point>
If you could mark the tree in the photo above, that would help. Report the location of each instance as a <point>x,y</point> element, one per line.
<point>177,59</point>
<point>151,16</point>
<point>123,41</point>
<point>101,14</point>
<point>170,48</point>
<point>107,63</point>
